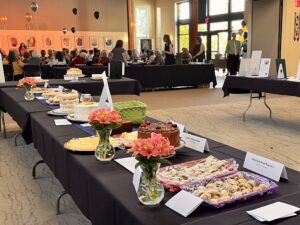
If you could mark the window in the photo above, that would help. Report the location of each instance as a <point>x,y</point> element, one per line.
<point>219,26</point>
<point>236,25</point>
<point>202,27</point>
<point>218,7</point>
<point>237,6</point>
<point>142,22</point>
<point>183,36</point>
<point>183,11</point>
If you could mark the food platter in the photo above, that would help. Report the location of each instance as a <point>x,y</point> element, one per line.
<point>59,112</point>
<point>72,118</point>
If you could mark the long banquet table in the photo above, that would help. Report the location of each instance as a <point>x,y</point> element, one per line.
<point>104,191</point>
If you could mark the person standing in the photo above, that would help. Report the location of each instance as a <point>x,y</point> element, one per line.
<point>118,54</point>
<point>169,50</point>
<point>198,53</point>
<point>232,54</point>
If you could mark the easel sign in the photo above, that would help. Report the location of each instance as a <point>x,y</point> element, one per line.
<point>264,68</point>
<point>2,77</point>
<point>105,99</point>
<point>255,62</point>
<point>281,68</point>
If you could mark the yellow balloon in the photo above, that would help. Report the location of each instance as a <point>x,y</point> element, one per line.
<point>28,17</point>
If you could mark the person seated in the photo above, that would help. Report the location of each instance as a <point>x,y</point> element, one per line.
<point>143,55</point>
<point>66,54</point>
<point>3,53</point>
<point>34,59</point>
<point>43,57</point>
<point>73,55</point>
<point>80,59</point>
<point>90,56</point>
<point>151,56</point>
<point>158,60</point>
<point>129,55</point>
<point>13,59</point>
<point>186,56</point>
<point>104,60</point>
<point>50,57</point>
<point>59,60</point>
<point>26,57</point>
<point>135,54</point>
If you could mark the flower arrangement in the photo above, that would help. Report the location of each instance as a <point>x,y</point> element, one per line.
<point>149,153</point>
<point>27,81</point>
<point>104,119</point>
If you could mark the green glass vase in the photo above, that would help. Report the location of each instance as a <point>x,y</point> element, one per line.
<point>104,151</point>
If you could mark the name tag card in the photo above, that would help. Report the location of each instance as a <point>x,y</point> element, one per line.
<point>196,143</point>
<point>62,122</point>
<point>136,178</point>
<point>277,210</point>
<point>128,163</point>
<point>74,91</point>
<point>265,167</point>
<point>184,203</point>
<point>60,88</point>
<point>85,125</point>
<point>46,84</point>
<point>180,126</point>
<point>40,97</point>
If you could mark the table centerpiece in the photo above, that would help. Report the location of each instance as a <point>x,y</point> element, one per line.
<point>103,121</point>
<point>28,83</point>
<point>149,153</point>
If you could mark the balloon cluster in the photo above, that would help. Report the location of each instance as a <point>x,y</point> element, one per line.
<point>28,17</point>
<point>65,30</point>
<point>3,18</point>
<point>34,6</point>
<point>96,15</point>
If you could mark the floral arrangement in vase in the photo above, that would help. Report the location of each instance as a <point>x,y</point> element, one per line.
<point>150,154</point>
<point>27,83</point>
<point>103,121</point>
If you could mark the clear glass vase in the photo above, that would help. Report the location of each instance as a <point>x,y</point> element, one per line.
<point>104,151</point>
<point>150,191</point>
<point>29,95</point>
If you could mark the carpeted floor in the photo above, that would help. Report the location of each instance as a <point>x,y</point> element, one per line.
<point>277,138</point>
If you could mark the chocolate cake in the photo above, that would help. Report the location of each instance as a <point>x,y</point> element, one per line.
<point>167,130</point>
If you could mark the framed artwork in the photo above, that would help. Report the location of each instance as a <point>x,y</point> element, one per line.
<point>79,42</point>
<point>146,44</point>
<point>13,42</point>
<point>65,42</point>
<point>30,41</point>
<point>48,41</point>
<point>94,42</point>
<point>108,42</point>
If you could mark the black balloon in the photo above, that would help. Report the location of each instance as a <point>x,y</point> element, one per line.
<point>65,30</point>
<point>96,15</point>
<point>74,10</point>
<point>73,29</point>
<point>34,6</point>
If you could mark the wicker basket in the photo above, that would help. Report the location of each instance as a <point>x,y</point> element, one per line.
<point>134,111</point>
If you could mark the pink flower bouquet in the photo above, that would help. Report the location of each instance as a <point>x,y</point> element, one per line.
<point>104,119</point>
<point>26,81</point>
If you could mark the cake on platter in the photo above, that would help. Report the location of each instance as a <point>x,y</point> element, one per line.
<point>67,101</point>
<point>83,109</point>
<point>74,72</point>
<point>168,130</point>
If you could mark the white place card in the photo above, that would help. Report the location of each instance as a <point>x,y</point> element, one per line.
<point>277,210</point>
<point>184,203</point>
<point>137,178</point>
<point>180,126</point>
<point>46,84</point>
<point>245,67</point>
<point>264,68</point>
<point>196,143</point>
<point>128,163</point>
<point>2,77</point>
<point>265,167</point>
<point>74,91</point>
<point>280,73</point>
<point>298,72</point>
<point>105,101</point>
<point>40,97</point>
<point>85,125</point>
<point>62,122</point>
<point>60,88</point>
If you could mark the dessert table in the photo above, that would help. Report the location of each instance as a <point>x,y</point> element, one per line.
<point>105,194</point>
<point>258,87</point>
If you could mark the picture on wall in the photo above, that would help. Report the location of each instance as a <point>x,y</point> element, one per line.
<point>48,41</point>
<point>297,27</point>
<point>108,42</point>
<point>13,41</point>
<point>94,42</point>
<point>30,41</point>
<point>65,42</point>
<point>79,42</point>
<point>146,44</point>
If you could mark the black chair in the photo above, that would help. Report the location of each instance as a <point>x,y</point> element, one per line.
<point>8,72</point>
<point>32,71</point>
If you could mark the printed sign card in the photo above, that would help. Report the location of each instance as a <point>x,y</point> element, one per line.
<point>265,167</point>
<point>255,62</point>
<point>195,142</point>
<point>245,67</point>
<point>264,68</point>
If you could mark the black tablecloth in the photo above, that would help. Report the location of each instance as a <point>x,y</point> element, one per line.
<point>150,76</point>
<point>237,84</point>
<point>86,85</point>
<point>104,191</point>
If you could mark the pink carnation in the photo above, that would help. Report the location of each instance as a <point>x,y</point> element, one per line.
<point>156,146</point>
